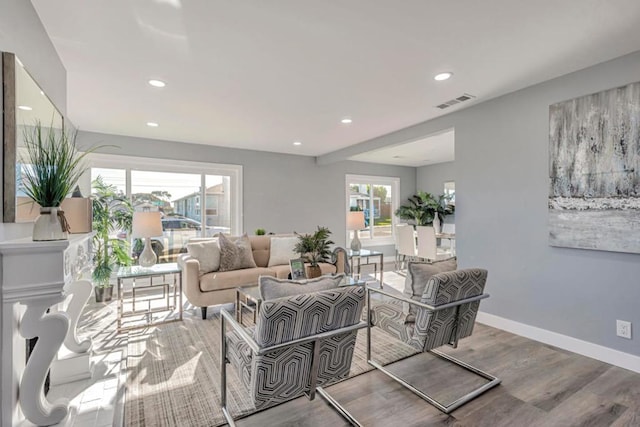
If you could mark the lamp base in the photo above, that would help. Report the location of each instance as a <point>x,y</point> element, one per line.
<point>355,243</point>
<point>147,257</point>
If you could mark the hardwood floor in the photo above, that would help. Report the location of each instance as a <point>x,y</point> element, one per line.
<point>541,386</point>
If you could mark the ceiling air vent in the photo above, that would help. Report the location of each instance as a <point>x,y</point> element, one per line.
<point>462,98</point>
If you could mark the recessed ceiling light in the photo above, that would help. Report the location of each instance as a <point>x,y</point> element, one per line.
<point>25,107</point>
<point>157,83</point>
<point>297,143</point>
<point>442,76</point>
<point>346,120</point>
<point>152,124</point>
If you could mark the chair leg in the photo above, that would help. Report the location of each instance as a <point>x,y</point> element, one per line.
<point>204,312</point>
<point>223,371</point>
<point>339,408</point>
<point>493,381</point>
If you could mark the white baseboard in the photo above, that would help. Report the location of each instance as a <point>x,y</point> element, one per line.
<point>585,348</point>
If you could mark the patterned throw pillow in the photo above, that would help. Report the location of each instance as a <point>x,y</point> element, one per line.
<point>236,254</point>
<point>418,274</point>
<point>272,288</point>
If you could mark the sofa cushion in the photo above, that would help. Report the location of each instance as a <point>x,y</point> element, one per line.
<point>207,252</point>
<point>418,274</point>
<point>260,246</point>
<point>272,288</point>
<point>218,280</point>
<point>236,254</point>
<point>282,250</point>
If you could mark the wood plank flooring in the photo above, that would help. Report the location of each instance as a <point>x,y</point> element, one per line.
<point>541,386</point>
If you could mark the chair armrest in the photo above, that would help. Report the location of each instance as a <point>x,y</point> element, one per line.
<point>423,305</point>
<point>242,332</point>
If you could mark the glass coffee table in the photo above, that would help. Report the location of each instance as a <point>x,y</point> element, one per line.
<point>248,297</point>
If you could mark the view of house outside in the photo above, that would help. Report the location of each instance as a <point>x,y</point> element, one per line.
<point>178,197</point>
<point>376,203</point>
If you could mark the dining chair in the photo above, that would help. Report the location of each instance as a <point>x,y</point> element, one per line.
<point>405,244</point>
<point>450,243</point>
<point>428,245</point>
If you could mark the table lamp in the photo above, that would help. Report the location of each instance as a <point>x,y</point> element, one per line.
<point>146,225</point>
<point>355,222</point>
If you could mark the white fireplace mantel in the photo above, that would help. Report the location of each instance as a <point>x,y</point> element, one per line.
<point>38,276</point>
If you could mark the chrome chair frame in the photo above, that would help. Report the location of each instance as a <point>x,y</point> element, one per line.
<point>257,350</point>
<point>493,381</point>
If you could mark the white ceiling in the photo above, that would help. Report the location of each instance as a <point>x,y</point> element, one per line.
<point>261,74</point>
<point>426,151</point>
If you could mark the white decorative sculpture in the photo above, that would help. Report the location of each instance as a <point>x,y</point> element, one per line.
<point>40,276</point>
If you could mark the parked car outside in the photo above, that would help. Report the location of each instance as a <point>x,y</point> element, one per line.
<point>176,233</point>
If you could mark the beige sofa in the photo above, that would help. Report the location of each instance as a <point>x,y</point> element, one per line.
<point>218,287</point>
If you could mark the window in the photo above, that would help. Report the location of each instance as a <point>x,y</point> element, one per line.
<point>377,197</point>
<point>176,189</point>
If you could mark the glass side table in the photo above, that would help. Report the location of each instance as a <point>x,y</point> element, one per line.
<point>356,257</point>
<point>139,296</point>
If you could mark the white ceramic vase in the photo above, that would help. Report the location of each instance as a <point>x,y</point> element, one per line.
<point>48,226</point>
<point>436,223</point>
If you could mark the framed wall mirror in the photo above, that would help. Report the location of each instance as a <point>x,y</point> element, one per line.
<point>25,104</point>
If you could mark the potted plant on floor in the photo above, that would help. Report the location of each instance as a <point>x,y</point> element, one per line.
<point>112,212</point>
<point>314,249</point>
<point>53,166</point>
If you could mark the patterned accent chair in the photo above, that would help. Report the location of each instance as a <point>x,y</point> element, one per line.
<point>299,343</point>
<point>445,314</point>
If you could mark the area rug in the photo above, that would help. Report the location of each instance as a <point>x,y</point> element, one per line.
<point>173,374</point>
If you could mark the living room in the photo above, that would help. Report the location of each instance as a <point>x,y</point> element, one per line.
<point>563,297</point>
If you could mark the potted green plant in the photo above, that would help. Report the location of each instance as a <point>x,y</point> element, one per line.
<point>260,232</point>
<point>423,208</point>
<point>314,249</point>
<point>112,212</point>
<point>53,166</point>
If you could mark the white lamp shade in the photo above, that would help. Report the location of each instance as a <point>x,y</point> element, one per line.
<point>146,224</point>
<point>355,220</point>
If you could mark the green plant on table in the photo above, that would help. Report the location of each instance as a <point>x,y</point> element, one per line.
<point>314,248</point>
<point>112,212</point>
<point>423,207</point>
<point>260,232</point>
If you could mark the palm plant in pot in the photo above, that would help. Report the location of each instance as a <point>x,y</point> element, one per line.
<point>112,212</point>
<point>314,249</point>
<point>52,167</point>
<point>425,209</point>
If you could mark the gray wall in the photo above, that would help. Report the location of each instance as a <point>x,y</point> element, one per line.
<point>501,174</point>
<point>282,192</point>
<point>432,178</point>
<point>22,33</point>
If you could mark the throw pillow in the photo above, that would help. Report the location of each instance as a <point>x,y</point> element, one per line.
<point>272,288</point>
<point>207,253</point>
<point>418,274</point>
<point>282,250</point>
<point>236,254</point>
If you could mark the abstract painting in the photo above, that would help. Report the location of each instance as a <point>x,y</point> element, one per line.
<point>594,170</point>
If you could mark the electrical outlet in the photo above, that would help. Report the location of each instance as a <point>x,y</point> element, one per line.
<point>623,329</point>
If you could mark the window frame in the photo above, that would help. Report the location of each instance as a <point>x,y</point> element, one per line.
<point>128,163</point>
<point>373,180</point>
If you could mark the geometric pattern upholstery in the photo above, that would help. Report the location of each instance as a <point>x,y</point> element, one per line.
<point>436,328</point>
<point>285,373</point>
